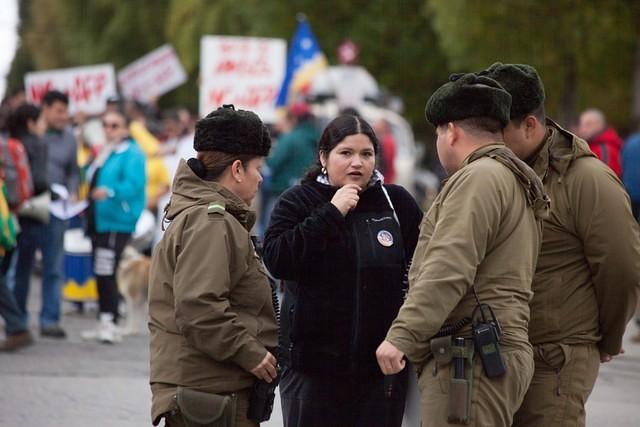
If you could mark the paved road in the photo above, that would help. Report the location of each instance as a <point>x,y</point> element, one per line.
<point>73,383</point>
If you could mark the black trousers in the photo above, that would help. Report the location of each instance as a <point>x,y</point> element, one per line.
<point>341,401</point>
<point>107,249</point>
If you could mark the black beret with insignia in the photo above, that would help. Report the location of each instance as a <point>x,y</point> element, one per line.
<point>468,95</point>
<point>232,131</point>
<point>523,84</point>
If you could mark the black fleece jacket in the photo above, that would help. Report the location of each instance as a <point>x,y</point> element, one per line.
<point>311,246</point>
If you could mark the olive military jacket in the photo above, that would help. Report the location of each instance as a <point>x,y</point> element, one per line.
<point>480,232</point>
<point>211,314</point>
<point>586,282</point>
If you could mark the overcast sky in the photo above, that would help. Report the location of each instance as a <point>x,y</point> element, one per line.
<point>8,38</point>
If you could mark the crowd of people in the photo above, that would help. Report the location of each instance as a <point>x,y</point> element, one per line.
<point>65,152</point>
<point>116,164</point>
<point>501,301</point>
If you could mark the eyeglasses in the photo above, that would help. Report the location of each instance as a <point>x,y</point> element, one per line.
<point>111,125</point>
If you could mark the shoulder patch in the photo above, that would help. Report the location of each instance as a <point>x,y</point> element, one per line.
<point>216,208</point>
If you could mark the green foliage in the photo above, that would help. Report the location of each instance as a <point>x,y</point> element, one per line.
<point>22,64</point>
<point>582,48</point>
<point>402,52</point>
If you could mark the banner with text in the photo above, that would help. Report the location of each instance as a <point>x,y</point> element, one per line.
<point>244,71</point>
<point>153,75</point>
<point>88,88</point>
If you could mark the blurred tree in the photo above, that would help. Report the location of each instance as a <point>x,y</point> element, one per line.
<point>397,46</point>
<point>583,49</point>
<point>69,33</point>
<point>42,35</point>
<point>188,20</point>
<point>22,61</point>
<point>397,43</point>
<point>21,64</point>
<point>77,32</point>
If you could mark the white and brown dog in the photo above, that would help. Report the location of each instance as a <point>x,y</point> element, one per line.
<point>133,284</point>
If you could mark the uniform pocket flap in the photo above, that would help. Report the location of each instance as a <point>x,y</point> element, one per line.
<point>441,349</point>
<point>205,408</point>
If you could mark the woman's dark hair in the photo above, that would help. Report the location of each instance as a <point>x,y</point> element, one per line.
<point>349,111</point>
<point>210,165</point>
<point>17,122</point>
<point>335,132</point>
<point>121,112</point>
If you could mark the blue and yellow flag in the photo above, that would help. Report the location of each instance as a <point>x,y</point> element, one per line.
<point>304,61</point>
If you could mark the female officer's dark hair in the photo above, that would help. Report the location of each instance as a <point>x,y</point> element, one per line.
<point>210,165</point>
<point>17,121</point>
<point>335,132</point>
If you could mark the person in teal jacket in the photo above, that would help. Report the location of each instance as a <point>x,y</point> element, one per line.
<point>293,154</point>
<point>117,196</point>
<point>295,150</point>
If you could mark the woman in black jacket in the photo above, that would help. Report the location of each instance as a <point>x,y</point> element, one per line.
<point>342,241</point>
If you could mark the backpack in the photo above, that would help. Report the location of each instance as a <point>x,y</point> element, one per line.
<point>15,171</point>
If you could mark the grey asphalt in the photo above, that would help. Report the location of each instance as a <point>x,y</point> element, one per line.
<point>73,383</point>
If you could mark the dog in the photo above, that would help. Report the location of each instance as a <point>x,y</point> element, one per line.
<point>133,284</point>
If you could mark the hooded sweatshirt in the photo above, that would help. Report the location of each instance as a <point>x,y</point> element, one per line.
<point>211,314</point>
<point>586,282</point>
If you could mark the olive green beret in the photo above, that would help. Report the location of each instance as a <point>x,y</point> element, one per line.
<point>468,95</point>
<point>522,82</point>
<point>232,131</point>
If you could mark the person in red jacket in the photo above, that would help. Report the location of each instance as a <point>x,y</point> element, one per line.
<point>603,139</point>
<point>382,128</point>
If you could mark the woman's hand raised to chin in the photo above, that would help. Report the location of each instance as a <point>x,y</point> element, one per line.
<point>346,198</point>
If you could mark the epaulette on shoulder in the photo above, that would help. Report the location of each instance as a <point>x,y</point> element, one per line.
<point>216,208</point>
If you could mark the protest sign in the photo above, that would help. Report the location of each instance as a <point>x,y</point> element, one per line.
<point>244,71</point>
<point>155,74</point>
<point>88,88</point>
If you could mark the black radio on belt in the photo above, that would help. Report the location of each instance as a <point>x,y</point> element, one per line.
<point>486,337</point>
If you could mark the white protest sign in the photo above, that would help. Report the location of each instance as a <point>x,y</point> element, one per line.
<point>244,71</point>
<point>155,74</point>
<point>88,88</point>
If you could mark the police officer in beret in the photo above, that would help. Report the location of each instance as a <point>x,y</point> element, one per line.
<point>586,281</point>
<point>211,315</point>
<point>472,269</point>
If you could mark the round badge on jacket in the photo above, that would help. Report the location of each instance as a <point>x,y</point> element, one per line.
<point>385,238</point>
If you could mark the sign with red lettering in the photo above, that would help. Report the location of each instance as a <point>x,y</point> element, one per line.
<point>244,71</point>
<point>88,88</point>
<point>155,74</point>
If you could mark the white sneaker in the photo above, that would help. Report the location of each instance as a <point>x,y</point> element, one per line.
<point>108,332</point>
